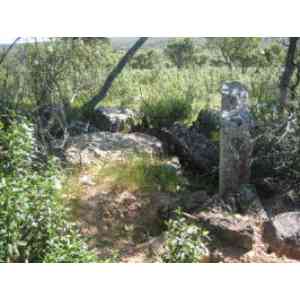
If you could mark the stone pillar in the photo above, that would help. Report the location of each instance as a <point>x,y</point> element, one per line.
<point>235,139</point>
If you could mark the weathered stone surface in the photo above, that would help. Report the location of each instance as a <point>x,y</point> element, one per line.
<point>282,233</point>
<point>113,119</point>
<point>195,201</point>
<point>235,139</point>
<point>208,123</point>
<point>86,148</point>
<point>192,148</point>
<point>231,229</point>
<point>248,202</point>
<point>78,127</point>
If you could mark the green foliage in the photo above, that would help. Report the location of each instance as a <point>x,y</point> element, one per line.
<point>66,72</point>
<point>181,52</point>
<point>277,151</point>
<point>169,103</point>
<point>62,69</point>
<point>34,225</point>
<point>146,59</point>
<point>237,51</point>
<point>274,54</point>
<point>142,173</point>
<point>186,243</point>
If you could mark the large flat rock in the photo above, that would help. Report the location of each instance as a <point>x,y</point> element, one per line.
<point>86,148</point>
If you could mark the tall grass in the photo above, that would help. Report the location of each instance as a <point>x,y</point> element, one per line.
<point>140,173</point>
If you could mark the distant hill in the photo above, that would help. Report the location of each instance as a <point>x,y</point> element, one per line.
<point>125,43</point>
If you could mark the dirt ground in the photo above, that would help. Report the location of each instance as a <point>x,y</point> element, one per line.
<point>111,222</point>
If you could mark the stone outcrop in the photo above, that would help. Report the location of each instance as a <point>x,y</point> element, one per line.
<point>86,148</point>
<point>282,234</point>
<point>193,149</point>
<point>113,119</point>
<point>249,203</point>
<point>230,229</point>
<point>208,123</point>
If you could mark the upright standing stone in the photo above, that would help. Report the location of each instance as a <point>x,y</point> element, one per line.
<point>235,140</point>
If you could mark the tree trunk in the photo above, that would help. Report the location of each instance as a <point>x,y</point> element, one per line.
<point>288,71</point>
<point>8,50</point>
<point>113,75</point>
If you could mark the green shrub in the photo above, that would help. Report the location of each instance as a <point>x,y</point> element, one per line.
<point>146,59</point>
<point>167,104</point>
<point>186,243</point>
<point>181,52</point>
<point>34,224</point>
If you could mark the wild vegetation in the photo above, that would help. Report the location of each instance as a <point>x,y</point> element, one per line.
<point>50,92</point>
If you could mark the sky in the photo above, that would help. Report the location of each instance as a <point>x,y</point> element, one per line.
<point>9,40</point>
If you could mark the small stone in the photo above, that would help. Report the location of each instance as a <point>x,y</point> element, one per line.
<point>86,180</point>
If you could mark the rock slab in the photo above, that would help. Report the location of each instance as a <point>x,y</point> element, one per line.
<point>113,119</point>
<point>282,233</point>
<point>86,148</point>
<point>230,229</point>
<point>192,148</point>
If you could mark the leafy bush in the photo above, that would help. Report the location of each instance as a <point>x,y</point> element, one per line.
<point>146,59</point>
<point>167,104</point>
<point>186,243</point>
<point>276,152</point>
<point>34,225</point>
<point>237,51</point>
<point>181,52</point>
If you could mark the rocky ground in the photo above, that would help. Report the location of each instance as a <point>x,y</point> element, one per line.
<point>112,223</point>
<point>129,222</point>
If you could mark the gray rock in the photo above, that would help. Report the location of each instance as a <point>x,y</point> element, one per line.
<point>248,202</point>
<point>86,148</point>
<point>78,127</point>
<point>195,201</point>
<point>87,180</point>
<point>236,143</point>
<point>282,233</point>
<point>113,119</point>
<point>192,147</point>
<point>230,229</point>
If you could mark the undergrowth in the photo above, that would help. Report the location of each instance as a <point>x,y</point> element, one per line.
<point>185,242</point>
<point>141,173</point>
<point>34,223</point>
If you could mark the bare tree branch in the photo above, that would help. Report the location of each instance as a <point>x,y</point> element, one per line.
<point>114,74</point>
<point>8,50</point>
<point>295,85</point>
